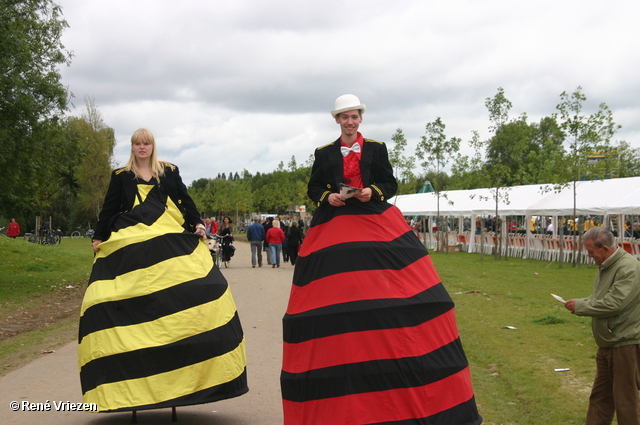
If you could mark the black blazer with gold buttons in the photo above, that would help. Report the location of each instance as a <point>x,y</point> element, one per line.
<point>327,171</point>
<point>121,195</point>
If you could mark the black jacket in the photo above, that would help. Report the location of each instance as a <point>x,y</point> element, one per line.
<point>121,195</point>
<point>327,171</point>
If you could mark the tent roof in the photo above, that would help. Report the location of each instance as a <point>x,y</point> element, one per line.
<point>596,197</point>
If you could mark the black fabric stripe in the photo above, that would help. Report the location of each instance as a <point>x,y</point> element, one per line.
<point>376,375</point>
<point>147,212</point>
<point>230,389</point>
<point>154,360</point>
<point>388,313</point>
<point>143,254</point>
<point>326,212</point>
<point>150,307</point>
<point>372,255</point>
<point>463,414</point>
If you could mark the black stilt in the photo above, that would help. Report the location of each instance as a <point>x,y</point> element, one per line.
<point>134,417</point>
<point>174,416</point>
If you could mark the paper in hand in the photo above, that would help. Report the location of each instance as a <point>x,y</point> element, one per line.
<point>559,298</point>
<point>348,191</point>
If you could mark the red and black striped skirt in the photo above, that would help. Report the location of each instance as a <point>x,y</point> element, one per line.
<point>370,335</point>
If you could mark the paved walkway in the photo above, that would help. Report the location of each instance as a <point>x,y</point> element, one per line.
<point>261,295</point>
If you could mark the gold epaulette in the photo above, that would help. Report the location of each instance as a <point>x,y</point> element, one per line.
<point>328,144</point>
<point>168,164</point>
<point>374,141</point>
<point>119,170</point>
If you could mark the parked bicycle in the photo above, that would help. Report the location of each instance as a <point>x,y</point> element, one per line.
<point>51,237</point>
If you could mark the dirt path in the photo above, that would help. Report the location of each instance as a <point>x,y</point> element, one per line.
<point>261,295</point>
<point>41,311</point>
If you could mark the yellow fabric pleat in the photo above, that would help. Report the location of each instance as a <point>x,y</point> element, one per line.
<point>157,277</point>
<point>164,386</point>
<point>163,331</point>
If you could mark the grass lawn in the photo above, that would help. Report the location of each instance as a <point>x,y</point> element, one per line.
<point>28,270</point>
<point>513,369</point>
<point>41,289</point>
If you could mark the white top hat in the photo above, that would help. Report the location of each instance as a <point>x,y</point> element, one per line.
<point>347,102</point>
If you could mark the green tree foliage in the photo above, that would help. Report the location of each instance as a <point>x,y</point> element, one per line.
<point>32,102</point>
<point>628,160</point>
<point>467,170</point>
<point>95,143</point>
<point>277,192</point>
<point>402,165</point>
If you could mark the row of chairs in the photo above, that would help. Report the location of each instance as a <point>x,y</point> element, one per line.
<point>541,247</point>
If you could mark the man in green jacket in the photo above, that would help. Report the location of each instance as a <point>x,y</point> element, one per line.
<point>614,308</point>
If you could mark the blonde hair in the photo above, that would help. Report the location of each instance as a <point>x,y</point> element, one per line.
<point>155,166</point>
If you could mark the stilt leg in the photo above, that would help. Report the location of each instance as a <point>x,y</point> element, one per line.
<point>134,417</point>
<point>174,416</point>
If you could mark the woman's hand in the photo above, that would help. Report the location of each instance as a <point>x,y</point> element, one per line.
<point>94,245</point>
<point>201,232</point>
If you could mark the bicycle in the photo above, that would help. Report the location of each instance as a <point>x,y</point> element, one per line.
<point>31,237</point>
<point>76,233</point>
<point>214,248</point>
<point>50,238</point>
<point>220,254</point>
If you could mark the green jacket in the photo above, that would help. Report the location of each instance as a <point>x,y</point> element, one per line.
<point>614,305</point>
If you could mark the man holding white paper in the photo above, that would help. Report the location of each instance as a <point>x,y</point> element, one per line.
<point>614,308</point>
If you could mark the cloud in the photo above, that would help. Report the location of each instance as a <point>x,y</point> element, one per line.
<point>227,86</point>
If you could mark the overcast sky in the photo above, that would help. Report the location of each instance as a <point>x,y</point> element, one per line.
<point>246,84</point>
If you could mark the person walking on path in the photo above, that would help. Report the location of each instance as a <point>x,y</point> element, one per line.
<point>225,231</point>
<point>275,237</point>
<point>255,236</point>
<point>614,308</point>
<point>363,286</point>
<point>294,236</point>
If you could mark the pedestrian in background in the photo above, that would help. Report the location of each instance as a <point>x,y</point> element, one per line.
<point>268,224</point>
<point>275,237</point>
<point>294,237</point>
<point>255,236</point>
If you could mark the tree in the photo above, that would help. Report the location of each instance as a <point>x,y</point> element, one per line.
<point>628,160</point>
<point>466,170</point>
<point>545,161</point>
<point>435,151</point>
<point>585,134</point>
<point>402,165</point>
<point>95,143</point>
<point>32,100</point>
<point>499,171</point>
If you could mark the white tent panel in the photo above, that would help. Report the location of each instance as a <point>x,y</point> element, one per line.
<point>597,197</point>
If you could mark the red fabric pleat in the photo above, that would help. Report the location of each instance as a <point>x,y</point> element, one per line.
<point>365,346</point>
<point>364,285</point>
<point>383,406</point>
<point>371,227</point>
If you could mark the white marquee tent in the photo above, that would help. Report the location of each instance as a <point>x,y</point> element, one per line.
<point>605,198</point>
<point>596,197</point>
